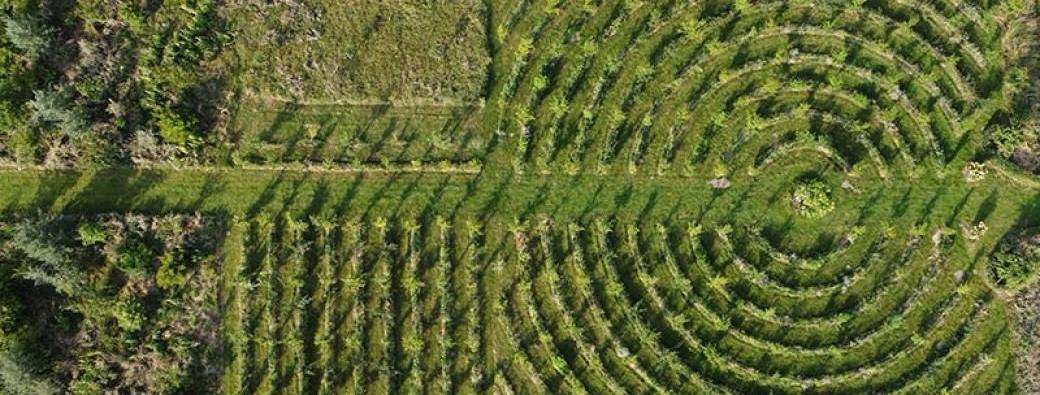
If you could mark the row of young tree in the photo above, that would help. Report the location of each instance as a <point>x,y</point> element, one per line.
<point>291,305</point>
<point>99,82</point>
<point>403,305</point>
<point>651,87</point>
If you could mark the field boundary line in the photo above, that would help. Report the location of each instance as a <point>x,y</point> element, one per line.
<point>267,100</point>
<point>260,168</point>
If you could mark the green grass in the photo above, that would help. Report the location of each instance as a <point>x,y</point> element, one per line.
<point>498,199</point>
<point>353,51</point>
<point>355,82</point>
<point>357,134</point>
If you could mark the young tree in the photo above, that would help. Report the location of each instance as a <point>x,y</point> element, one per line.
<point>16,379</point>
<point>57,106</point>
<point>29,34</point>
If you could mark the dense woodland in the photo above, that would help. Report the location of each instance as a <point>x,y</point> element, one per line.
<point>113,303</point>
<point>91,83</point>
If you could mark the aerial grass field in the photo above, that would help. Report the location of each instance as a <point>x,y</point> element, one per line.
<point>521,197</point>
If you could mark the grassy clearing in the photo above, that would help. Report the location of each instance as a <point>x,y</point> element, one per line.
<point>402,51</point>
<point>356,82</point>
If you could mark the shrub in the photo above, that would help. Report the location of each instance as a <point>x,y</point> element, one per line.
<point>57,106</point>
<point>812,199</point>
<point>129,314</point>
<point>29,34</point>
<point>172,274</point>
<point>135,258</point>
<point>20,141</point>
<point>172,128</point>
<point>92,233</point>
<point>15,378</point>
<point>1016,259</point>
<point>1019,144</point>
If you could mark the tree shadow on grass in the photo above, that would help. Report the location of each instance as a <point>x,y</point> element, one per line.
<point>287,112</point>
<point>289,202</point>
<point>929,207</point>
<point>319,198</point>
<point>491,207</point>
<point>959,207</point>
<point>52,185</point>
<point>343,206</point>
<point>622,199</point>
<point>532,206</point>
<point>266,197</point>
<point>213,184</point>
<point>118,189</point>
<point>379,195</point>
<point>592,204</point>
<point>869,208</point>
<point>900,207</point>
<point>430,208</point>
<point>988,206</point>
<point>400,208</point>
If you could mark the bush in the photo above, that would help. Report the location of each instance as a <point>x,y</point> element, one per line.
<point>129,314</point>
<point>16,379</point>
<point>135,258</point>
<point>172,274</point>
<point>29,34</point>
<point>19,140</point>
<point>1020,144</point>
<point>172,128</point>
<point>57,106</point>
<point>1016,259</point>
<point>101,333</point>
<point>812,199</point>
<point>92,233</point>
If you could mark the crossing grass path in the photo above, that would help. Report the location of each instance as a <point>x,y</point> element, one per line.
<point>1002,199</point>
<point>586,251</point>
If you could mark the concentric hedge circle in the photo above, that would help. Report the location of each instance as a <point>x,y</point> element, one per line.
<point>659,87</point>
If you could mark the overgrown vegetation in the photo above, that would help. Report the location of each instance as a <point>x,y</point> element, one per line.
<point>1027,306</point>
<point>359,51</point>
<point>95,82</point>
<point>1016,261</point>
<point>812,198</point>
<point>126,304</point>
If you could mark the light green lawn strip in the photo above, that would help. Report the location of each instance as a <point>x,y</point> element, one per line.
<point>498,199</point>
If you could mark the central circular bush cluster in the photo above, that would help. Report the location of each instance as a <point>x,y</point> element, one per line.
<point>812,199</point>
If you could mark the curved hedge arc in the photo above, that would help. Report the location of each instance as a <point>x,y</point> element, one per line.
<point>647,87</point>
<point>606,306</point>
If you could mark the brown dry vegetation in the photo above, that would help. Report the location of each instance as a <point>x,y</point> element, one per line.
<point>1027,309</point>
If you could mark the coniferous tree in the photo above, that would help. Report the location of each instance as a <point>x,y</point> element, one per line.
<point>15,378</point>
<point>29,34</point>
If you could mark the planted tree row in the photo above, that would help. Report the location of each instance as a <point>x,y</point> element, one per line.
<point>661,87</point>
<point>409,305</point>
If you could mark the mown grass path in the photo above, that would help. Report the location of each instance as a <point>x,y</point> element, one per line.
<point>501,198</point>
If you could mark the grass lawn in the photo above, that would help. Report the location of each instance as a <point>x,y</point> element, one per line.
<point>352,51</point>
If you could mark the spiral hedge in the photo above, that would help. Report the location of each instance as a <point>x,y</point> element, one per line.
<point>664,87</point>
